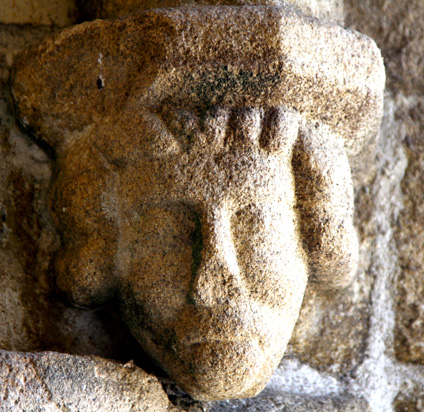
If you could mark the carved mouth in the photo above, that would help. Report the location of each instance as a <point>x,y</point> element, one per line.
<point>196,338</point>
<point>225,327</point>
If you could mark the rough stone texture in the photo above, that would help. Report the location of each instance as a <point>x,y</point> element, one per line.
<point>336,78</point>
<point>411,401</point>
<point>282,402</point>
<point>48,12</point>
<point>398,29</point>
<point>217,170</point>
<point>332,328</point>
<point>58,382</point>
<point>409,342</point>
<point>402,49</point>
<point>32,315</point>
<point>13,39</point>
<point>347,337</point>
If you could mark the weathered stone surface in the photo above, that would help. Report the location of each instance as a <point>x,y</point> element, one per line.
<point>398,30</point>
<point>282,402</point>
<point>334,342</point>
<point>409,343</point>
<point>410,399</point>
<point>200,180</point>
<point>48,12</point>
<point>56,382</point>
<point>13,39</point>
<point>335,78</point>
<point>331,331</point>
<point>32,315</point>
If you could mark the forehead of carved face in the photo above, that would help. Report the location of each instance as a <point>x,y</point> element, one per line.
<point>212,272</point>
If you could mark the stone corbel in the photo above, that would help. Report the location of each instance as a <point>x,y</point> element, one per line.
<point>202,174</point>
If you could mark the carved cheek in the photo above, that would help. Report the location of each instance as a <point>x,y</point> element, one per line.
<point>157,249</point>
<point>269,253</point>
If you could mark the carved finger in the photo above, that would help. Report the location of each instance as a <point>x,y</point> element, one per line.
<point>324,195</point>
<point>244,128</point>
<point>280,130</point>
<point>213,126</point>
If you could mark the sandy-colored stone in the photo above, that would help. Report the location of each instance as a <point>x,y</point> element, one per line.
<point>399,31</point>
<point>344,333</point>
<point>409,333</point>
<point>201,178</point>
<point>332,333</point>
<point>282,402</point>
<point>47,12</point>
<point>36,382</point>
<point>33,317</point>
<point>411,400</point>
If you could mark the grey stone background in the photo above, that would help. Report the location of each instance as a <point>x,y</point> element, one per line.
<point>361,349</point>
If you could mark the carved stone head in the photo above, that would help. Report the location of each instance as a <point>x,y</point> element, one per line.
<point>202,175</point>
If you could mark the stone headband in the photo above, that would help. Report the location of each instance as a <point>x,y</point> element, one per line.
<point>97,69</point>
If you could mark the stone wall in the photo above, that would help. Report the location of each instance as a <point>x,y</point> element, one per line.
<point>354,350</point>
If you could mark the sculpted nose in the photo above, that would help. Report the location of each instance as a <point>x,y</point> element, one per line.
<point>216,276</point>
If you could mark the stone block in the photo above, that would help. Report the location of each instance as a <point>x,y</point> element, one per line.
<point>411,400</point>
<point>282,402</point>
<point>409,289</point>
<point>399,32</point>
<point>49,381</point>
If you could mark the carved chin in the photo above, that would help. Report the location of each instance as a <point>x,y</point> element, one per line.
<point>217,370</point>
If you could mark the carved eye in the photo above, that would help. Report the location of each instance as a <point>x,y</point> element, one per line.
<point>250,241</point>
<point>249,231</point>
<point>160,141</point>
<point>164,227</point>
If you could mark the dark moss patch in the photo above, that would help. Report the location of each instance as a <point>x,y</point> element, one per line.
<point>214,87</point>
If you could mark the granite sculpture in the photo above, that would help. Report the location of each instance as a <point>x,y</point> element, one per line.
<point>202,175</point>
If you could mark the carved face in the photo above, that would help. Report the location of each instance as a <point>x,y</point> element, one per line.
<point>213,275</point>
<point>203,221</point>
<point>198,220</point>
